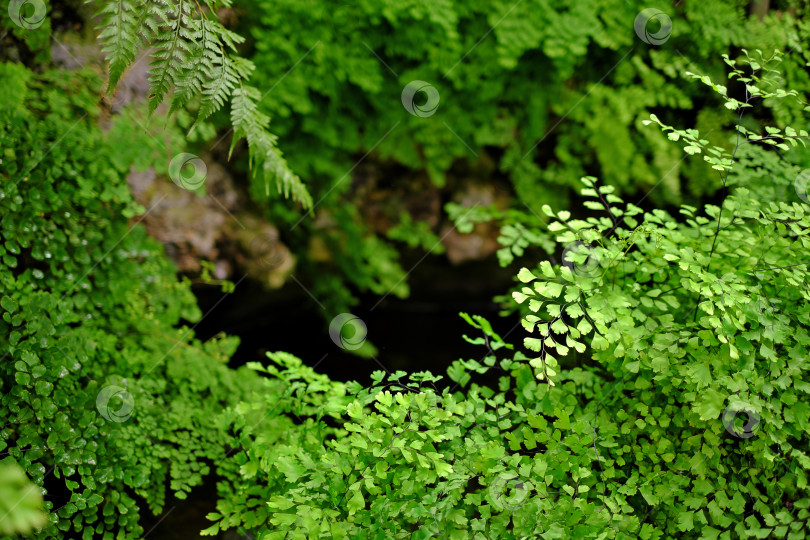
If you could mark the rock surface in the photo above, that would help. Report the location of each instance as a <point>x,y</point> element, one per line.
<point>212,226</point>
<point>482,242</point>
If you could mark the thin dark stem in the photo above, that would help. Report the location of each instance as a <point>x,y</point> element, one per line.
<point>724,179</point>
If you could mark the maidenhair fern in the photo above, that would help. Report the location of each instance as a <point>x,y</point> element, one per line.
<point>683,413</point>
<point>193,58</point>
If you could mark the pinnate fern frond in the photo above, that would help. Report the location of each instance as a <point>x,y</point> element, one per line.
<point>250,123</point>
<point>119,35</point>
<point>174,41</point>
<point>216,91</point>
<point>204,59</point>
<point>192,60</point>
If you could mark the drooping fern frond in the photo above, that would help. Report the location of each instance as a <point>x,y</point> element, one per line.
<point>227,73</point>
<point>203,53</point>
<point>192,62</point>
<point>175,39</point>
<point>248,122</point>
<point>119,35</point>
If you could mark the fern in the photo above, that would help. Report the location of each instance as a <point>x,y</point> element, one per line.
<point>226,76</point>
<point>204,52</point>
<point>192,60</point>
<point>174,40</point>
<point>119,36</point>
<point>248,122</point>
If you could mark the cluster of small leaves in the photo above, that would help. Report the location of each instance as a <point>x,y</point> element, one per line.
<point>337,72</point>
<point>520,230</point>
<point>690,325</point>
<point>416,234</point>
<point>687,347</point>
<point>590,457</point>
<point>88,301</point>
<point>193,60</point>
<point>718,157</point>
<point>703,320</point>
<point>352,60</point>
<point>409,459</point>
<point>282,421</point>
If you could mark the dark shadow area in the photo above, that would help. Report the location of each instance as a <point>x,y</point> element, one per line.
<point>422,332</point>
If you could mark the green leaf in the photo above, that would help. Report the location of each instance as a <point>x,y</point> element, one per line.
<point>525,275</point>
<point>356,501</point>
<point>709,404</point>
<point>8,304</point>
<point>547,270</point>
<point>685,521</point>
<point>355,410</point>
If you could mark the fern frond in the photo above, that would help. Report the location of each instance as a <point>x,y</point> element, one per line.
<point>287,182</point>
<point>202,64</point>
<point>191,59</point>
<point>218,89</point>
<point>228,38</point>
<point>152,12</point>
<point>173,42</point>
<point>119,35</point>
<point>250,123</point>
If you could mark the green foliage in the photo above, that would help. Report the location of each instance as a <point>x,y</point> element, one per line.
<point>26,28</point>
<point>351,251</point>
<point>21,508</point>
<point>416,234</point>
<point>248,122</point>
<point>501,94</point>
<point>520,230</point>
<point>275,425</point>
<point>667,399</point>
<point>661,391</point>
<point>104,391</point>
<point>193,60</point>
<point>547,91</point>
